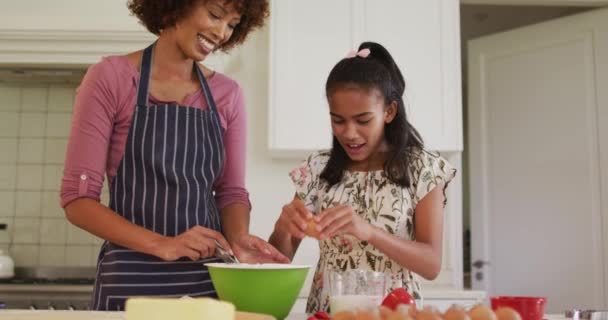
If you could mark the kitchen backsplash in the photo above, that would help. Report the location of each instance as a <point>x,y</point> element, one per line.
<point>34,128</point>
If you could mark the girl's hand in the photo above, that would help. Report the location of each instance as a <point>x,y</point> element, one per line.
<point>343,220</point>
<point>294,219</point>
<point>196,243</point>
<point>251,249</point>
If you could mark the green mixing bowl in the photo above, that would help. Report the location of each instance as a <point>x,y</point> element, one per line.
<point>262,288</point>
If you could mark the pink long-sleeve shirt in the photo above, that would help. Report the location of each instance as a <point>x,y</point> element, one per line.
<point>103,109</point>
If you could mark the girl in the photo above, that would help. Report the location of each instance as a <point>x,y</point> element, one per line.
<point>375,200</point>
<point>170,136</point>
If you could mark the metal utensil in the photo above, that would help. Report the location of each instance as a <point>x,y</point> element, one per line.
<point>599,315</point>
<point>223,253</point>
<point>590,314</point>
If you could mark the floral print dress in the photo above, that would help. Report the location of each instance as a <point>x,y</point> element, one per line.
<point>380,202</point>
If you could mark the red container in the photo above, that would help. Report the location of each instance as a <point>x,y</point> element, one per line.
<point>529,308</point>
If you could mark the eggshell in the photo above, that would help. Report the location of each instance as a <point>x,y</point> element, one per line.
<point>396,315</point>
<point>481,312</point>
<point>456,312</point>
<point>427,314</point>
<point>311,229</point>
<point>343,315</point>
<point>433,310</point>
<point>408,309</point>
<point>506,313</point>
<point>365,315</point>
<point>384,312</point>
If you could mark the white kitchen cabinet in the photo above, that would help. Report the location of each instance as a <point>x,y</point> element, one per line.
<point>309,37</point>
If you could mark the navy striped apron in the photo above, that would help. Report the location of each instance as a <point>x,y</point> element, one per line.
<point>164,183</point>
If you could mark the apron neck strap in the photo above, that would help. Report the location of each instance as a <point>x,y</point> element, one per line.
<point>206,89</point>
<point>144,75</point>
<point>144,80</point>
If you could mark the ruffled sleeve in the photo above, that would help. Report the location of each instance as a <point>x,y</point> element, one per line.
<point>428,171</point>
<point>307,181</point>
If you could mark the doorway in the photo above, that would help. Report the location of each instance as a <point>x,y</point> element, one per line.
<point>478,20</point>
<point>537,134</point>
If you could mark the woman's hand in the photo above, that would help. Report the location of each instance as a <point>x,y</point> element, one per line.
<point>294,219</point>
<point>196,243</point>
<point>343,220</point>
<point>251,249</point>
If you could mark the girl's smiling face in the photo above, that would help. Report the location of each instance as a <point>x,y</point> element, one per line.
<point>206,28</point>
<point>358,117</point>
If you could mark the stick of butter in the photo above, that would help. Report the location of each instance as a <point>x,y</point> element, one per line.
<point>183,309</point>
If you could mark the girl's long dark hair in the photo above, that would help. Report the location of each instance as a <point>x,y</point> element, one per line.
<point>378,71</point>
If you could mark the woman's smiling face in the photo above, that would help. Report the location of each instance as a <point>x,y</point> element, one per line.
<point>358,117</point>
<point>206,28</point>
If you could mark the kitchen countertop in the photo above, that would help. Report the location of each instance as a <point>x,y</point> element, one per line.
<point>78,295</point>
<point>91,315</point>
<point>98,315</point>
<point>434,293</point>
<point>59,315</point>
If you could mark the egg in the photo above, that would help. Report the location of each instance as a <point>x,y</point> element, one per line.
<point>365,315</point>
<point>396,315</point>
<point>311,229</point>
<point>343,315</point>
<point>433,309</point>
<point>481,312</point>
<point>456,312</point>
<point>506,313</point>
<point>384,312</point>
<point>427,314</point>
<point>388,314</point>
<point>408,309</point>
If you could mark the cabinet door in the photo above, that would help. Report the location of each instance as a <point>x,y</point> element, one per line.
<point>307,39</point>
<point>423,38</point>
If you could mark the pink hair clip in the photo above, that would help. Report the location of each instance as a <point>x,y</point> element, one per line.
<point>363,53</point>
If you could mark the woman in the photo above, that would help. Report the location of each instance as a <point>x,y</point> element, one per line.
<point>170,136</point>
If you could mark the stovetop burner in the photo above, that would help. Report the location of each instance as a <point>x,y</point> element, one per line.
<point>59,288</point>
<point>60,281</point>
<point>52,275</point>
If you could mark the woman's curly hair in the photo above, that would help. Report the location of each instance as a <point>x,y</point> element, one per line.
<point>157,15</point>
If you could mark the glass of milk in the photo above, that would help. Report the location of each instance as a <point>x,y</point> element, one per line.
<point>355,289</point>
